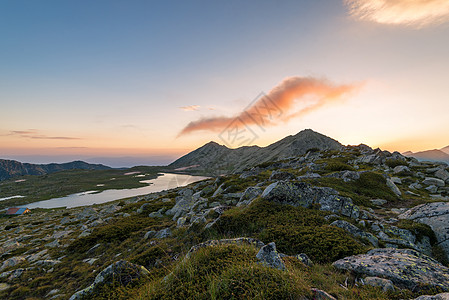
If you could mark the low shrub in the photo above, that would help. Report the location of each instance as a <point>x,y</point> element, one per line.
<point>293,229</point>
<point>338,166</point>
<point>395,162</point>
<point>227,272</point>
<point>113,232</point>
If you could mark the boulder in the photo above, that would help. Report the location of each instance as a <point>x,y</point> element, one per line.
<point>442,296</point>
<point>403,170</point>
<point>404,267</point>
<point>163,233</point>
<point>12,262</point>
<point>306,195</point>
<point>268,255</point>
<point>346,176</point>
<point>433,181</point>
<point>149,234</point>
<point>436,215</point>
<point>142,208</point>
<point>355,231</point>
<point>249,195</point>
<point>121,272</point>
<point>396,180</point>
<point>393,187</point>
<point>302,257</point>
<point>321,295</point>
<point>378,202</point>
<point>442,174</point>
<point>110,209</point>
<point>87,212</point>
<point>181,208</point>
<point>385,284</point>
<point>13,274</point>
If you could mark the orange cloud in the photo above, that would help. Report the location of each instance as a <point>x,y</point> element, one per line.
<point>190,107</point>
<point>416,13</point>
<point>280,104</point>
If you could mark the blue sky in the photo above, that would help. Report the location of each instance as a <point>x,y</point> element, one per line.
<point>109,78</point>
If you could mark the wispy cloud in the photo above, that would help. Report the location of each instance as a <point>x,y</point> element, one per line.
<point>34,134</point>
<point>416,13</point>
<point>311,93</point>
<point>190,107</point>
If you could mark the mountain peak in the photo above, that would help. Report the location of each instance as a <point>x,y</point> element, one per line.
<point>213,156</point>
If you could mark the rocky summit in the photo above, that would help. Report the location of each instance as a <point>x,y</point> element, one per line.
<point>215,159</point>
<point>304,218</point>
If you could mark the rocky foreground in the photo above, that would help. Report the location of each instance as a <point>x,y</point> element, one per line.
<point>354,223</point>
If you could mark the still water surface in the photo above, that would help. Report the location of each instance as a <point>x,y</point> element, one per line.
<point>164,182</point>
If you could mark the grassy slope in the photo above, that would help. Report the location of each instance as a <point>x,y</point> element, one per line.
<point>59,184</point>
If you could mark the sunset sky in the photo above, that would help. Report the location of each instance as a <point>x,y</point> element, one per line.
<point>156,79</point>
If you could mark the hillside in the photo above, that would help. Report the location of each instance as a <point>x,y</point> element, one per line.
<point>215,159</point>
<point>12,168</point>
<point>430,155</point>
<point>352,223</point>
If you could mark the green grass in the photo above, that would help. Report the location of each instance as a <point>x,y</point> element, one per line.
<point>226,272</point>
<point>117,231</point>
<point>59,184</point>
<point>294,230</point>
<point>232,272</point>
<point>370,185</point>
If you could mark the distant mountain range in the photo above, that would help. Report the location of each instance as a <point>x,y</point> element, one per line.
<point>13,168</point>
<point>213,158</point>
<point>431,155</point>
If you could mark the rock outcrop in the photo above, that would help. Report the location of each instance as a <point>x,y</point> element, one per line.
<point>122,272</point>
<point>404,267</point>
<point>306,195</point>
<point>436,215</point>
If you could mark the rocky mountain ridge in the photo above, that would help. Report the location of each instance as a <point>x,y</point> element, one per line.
<point>13,168</point>
<point>215,159</point>
<point>430,155</point>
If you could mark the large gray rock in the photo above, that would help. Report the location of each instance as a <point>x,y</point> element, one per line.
<point>269,256</point>
<point>385,284</point>
<point>436,215</point>
<point>393,187</point>
<point>404,267</point>
<point>321,295</point>
<point>355,231</point>
<point>433,181</point>
<point>442,174</point>
<point>181,208</point>
<point>306,195</point>
<point>402,170</point>
<point>442,296</point>
<point>12,262</point>
<point>249,195</point>
<point>346,176</point>
<point>122,272</point>
<point>86,213</point>
<point>378,202</point>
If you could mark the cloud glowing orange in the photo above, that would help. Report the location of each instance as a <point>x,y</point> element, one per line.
<point>281,104</point>
<point>417,13</point>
